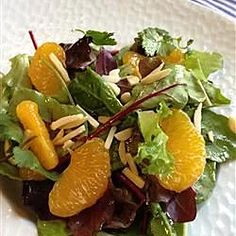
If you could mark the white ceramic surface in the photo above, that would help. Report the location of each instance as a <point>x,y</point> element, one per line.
<point>54,19</point>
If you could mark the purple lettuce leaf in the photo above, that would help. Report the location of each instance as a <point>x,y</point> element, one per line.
<point>156,193</point>
<point>105,62</point>
<point>79,55</point>
<point>182,207</point>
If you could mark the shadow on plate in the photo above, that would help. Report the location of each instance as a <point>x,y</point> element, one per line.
<point>12,192</point>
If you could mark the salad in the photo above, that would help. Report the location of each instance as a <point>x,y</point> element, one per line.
<point>114,142</point>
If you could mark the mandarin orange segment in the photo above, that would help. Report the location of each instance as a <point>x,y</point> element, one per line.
<point>175,57</point>
<point>187,146</point>
<point>133,59</point>
<point>83,182</point>
<point>28,113</point>
<point>41,71</point>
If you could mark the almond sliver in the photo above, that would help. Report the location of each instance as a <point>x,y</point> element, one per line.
<point>138,181</point>
<point>197,118</point>
<point>110,137</point>
<point>67,120</point>
<point>103,119</point>
<point>70,135</point>
<point>58,136</point>
<point>131,163</point>
<point>59,67</point>
<point>153,77</point>
<point>124,134</point>
<point>122,152</point>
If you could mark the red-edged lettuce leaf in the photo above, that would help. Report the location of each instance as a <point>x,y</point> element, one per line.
<point>105,62</point>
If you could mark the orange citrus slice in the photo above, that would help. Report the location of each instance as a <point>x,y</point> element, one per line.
<point>83,182</point>
<point>187,146</point>
<point>42,73</point>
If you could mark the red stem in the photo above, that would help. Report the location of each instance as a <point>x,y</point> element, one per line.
<point>128,110</point>
<point>33,39</point>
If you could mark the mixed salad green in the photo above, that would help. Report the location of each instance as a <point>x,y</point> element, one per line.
<point>133,89</point>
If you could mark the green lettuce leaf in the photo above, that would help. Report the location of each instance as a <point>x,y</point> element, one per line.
<point>52,228</point>
<point>91,92</point>
<point>178,96</point>
<point>49,108</point>
<point>10,171</point>
<point>154,149</point>
<point>224,146</point>
<point>26,159</point>
<point>160,224</point>
<point>202,64</point>
<point>205,185</point>
<point>214,94</point>
<point>156,41</point>
<point>16,77</point>
<point>10,129</point>
<point>101,38</point>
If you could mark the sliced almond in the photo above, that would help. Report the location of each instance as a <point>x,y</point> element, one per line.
<point>114,87</point>
<point>197,118</point>
<point>131,163</point>
<point>133,80</point>
<point>113,76</point>
<point>70,135</point>
<point>124,134</point>
<point>66,120</point>
<point>59,135</point>
<point>110,137</point>
<point>103,119</point>
<point>138,181</point>
<point>90,119</point>
<point>211,136</point>
<point>6,147</point>
<point>125,97</point>
<point>232,124</point>
<point>59,67</point>
<point>153,77</point>
<point>67,146</point>
<point>122,152</point>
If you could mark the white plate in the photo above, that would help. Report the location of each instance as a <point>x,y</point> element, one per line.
<point>53,20</point>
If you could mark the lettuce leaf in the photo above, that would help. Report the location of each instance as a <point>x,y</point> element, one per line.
<point>10,129</point>
<point>52,228</point>
<point>202,64</point>
<point>49,108</point>
<point>205,185</point>
<point>26,159</point>
<point>153,151</point>
<point>177,96</point>
<point>16,77</point>
<point>224,146</point>
<point>10,171</point>
<point>214,94</point>
<point>91,92</point>
<point>161,225</point>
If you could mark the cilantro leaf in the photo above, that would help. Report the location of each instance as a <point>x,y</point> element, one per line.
<point>202,64</point>
<point>10,129</point>
<point>101,38</point>
<point>156,41</point>
<point>10,171</point>
<point>26,159</point>
<point>52,228</point>
<point>224,146</point>
<point>154,149</point>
